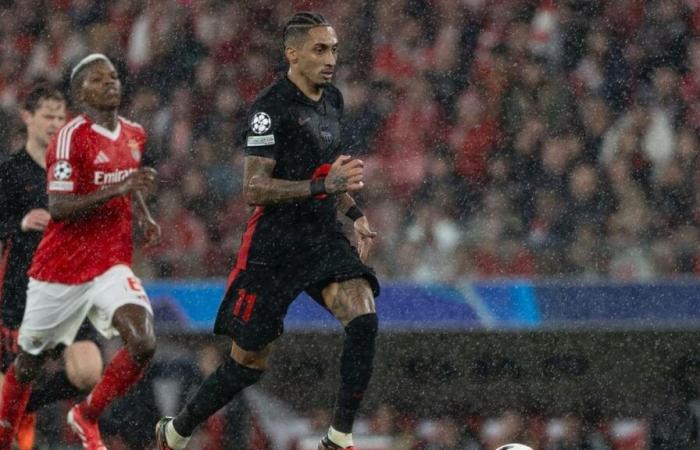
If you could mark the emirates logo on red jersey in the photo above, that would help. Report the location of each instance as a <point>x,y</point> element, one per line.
<point>116,176</point>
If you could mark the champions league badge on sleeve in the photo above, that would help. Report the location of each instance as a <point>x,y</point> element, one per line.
<point>60,180</point>
<point>62,170</point>
<point>261,123</point>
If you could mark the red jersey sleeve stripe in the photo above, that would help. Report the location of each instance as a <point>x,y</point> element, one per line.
<point>63,148</point>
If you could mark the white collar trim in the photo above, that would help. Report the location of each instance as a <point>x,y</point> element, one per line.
<point>111,135</point>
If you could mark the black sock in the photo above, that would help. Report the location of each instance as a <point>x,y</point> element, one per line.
<point>51,389</point>
<point>215,392</point>
<point>355,369</point>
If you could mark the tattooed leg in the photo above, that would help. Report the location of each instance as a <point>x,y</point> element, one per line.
<point>349,299</point>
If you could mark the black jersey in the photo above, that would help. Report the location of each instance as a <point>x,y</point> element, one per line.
<point>303,137</point>
<point>22,188</point>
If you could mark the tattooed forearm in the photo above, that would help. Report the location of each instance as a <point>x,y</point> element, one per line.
<point>349,299</point>
<point>261,189</point>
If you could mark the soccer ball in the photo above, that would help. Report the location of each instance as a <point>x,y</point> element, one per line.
<point>261,123</point>
<point>514,447</point>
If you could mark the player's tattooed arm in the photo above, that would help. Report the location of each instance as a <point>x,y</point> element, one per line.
<point>260,188</point>
<point>72,206</point>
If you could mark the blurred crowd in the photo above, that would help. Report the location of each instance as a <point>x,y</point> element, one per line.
<point>502,138</point>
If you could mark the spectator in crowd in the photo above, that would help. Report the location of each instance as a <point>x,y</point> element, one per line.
<point>458,100</point>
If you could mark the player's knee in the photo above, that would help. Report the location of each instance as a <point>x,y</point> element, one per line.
<point>85,380</point>
<point>252,359</point>
<point>142,348</point>
<point>86,375</point>
<point>363,328</point>
<point>83,364</point>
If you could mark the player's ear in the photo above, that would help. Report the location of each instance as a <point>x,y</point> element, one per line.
<point>26,116</point>
<point>291,54</point>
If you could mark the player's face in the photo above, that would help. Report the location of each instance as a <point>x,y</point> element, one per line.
<point>45,121</point>
<point>101,87</point>
<point>318,55</point>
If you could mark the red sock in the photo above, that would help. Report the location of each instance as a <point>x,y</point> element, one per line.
<point>13,402</point>
<point>121,373</point>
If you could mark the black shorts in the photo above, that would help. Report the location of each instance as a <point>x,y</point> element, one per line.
<point>256,301</point>
<point>9,347</point>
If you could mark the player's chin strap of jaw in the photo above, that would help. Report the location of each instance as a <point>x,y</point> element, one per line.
<point>318,191</point>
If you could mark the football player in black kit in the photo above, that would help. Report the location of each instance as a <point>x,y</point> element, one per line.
<point>297,179</point>
<point>23,217</point>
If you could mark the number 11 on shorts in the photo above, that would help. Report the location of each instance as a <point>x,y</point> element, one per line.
<point>243,308</point>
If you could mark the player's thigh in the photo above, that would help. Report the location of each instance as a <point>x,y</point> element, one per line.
<point>340,281</point>
<point>83,361</point>
<point>53,315</point>
<point>253,310</point>
<point>118,289</point>
<point>349,299</point>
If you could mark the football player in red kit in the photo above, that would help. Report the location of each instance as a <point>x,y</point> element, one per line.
<point>82,266</point>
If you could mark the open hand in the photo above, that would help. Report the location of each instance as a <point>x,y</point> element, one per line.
<point>35,220</point>
<point>142,180</point>
<point>365,237</point>
<point>151,231</point>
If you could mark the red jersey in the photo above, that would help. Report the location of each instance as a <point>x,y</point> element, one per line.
<point>82,158</point>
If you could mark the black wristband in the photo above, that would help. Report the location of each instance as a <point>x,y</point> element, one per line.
<point>318,187</point>
<point>354,213</point>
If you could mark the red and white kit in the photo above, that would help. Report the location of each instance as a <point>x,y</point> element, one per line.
<point>82,267</point>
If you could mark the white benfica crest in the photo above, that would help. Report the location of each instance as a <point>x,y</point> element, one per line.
<point>261,123</point>
<point>135,149</point>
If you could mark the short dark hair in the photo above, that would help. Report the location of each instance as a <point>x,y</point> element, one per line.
<point>39,93</point>
<point>300,23</point>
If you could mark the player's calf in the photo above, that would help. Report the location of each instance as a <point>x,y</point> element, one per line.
<point>15,395</point>
<point>216,391</point>
<point>356,363</point>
